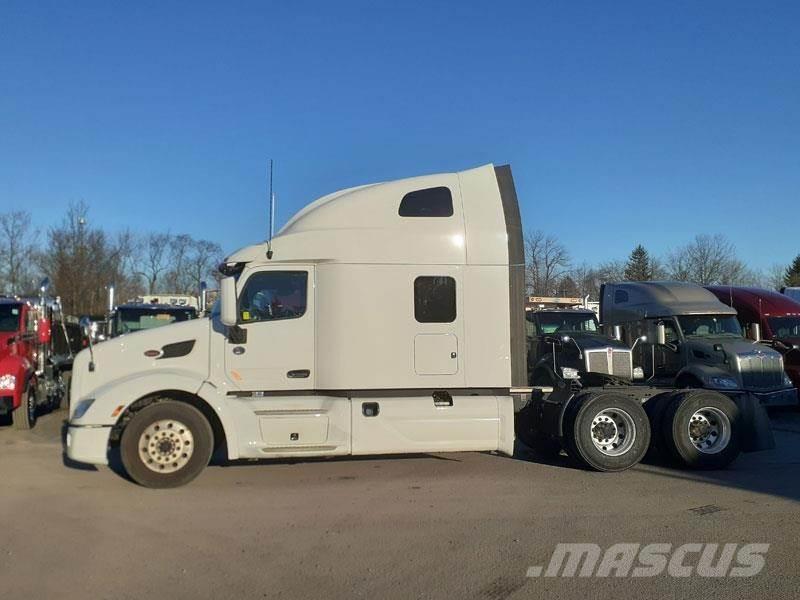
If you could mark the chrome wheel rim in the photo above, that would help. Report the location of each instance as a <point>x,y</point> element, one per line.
<point>166,446</point>
<point>709,430</point>
<point>30,406</point>
<point>613,431</point>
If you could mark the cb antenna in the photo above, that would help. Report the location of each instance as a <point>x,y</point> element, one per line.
<point>271,212</point>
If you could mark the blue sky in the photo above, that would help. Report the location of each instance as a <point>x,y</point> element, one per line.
<point>623,122</point>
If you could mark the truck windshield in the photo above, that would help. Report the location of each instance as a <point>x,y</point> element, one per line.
<point>785,327</point>
<point>9,317</point>
<point>561,322</point>
<point>710,325</point>
<point>129,320</point>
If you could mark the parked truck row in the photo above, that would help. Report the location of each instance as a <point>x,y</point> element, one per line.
<point>390,318</point>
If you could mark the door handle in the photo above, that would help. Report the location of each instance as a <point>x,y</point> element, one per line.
<point>442,399</point>
<point>298,374</point>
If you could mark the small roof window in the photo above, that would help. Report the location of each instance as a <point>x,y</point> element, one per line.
<point>430,202</point>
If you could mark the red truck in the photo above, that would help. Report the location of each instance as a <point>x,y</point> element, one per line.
<point>777,317</point>
<point>35,371</point>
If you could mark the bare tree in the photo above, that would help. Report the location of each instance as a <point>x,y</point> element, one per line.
<point>153,259</point>
<point>708,260</point>
<point>546,263</point>
<point>773,277</point>
<point>81,261</point>
<point>17,252</point>
<point>176,278</point>
<point>202,262</point>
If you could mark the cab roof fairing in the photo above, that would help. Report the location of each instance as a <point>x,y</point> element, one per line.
<point>362,225</point>
<point>756,300</point>
<point>654,299</point>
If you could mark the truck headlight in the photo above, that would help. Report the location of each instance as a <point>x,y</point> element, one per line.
<point>82,407</point>
<point>725,383</point>
<point>569,373</point>
<point>8,382</point>
<point>786,380</point>
<point>638,373</point>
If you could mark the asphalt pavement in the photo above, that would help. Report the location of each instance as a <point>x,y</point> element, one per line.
<point>466,525</point>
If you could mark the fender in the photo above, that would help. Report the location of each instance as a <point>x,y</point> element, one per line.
<point>545,363</point>
<point>702,372</point>
<point>22,369</point>
<point>113,399</point>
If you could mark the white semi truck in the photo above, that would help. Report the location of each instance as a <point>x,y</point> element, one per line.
<point>386,318</point>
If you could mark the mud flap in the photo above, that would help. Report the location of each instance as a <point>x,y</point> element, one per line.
<point>754,421</point>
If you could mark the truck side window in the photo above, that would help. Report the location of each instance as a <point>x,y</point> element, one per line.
<point>435,299</point>
<point>273,295</point>
<point>620,296</point>
<point>431,202</point>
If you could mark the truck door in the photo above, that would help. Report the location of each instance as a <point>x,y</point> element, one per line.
<point>668,360</point>
<point>272,348</point>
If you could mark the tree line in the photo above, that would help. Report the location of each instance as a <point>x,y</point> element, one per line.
<point>706,260</point>
<point>81,260</point>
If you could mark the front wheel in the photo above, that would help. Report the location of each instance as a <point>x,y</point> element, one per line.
<point>25,416</point>
<point>166,444</point>
<point>701,429</point>
<point>607,432</point>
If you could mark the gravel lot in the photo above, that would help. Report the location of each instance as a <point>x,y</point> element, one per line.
<point>427,526</point>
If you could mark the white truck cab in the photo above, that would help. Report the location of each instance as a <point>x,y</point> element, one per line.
<point>385,318</point>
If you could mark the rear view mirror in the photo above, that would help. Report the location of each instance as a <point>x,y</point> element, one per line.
<point>661,334</point>
<point>227,301</point>
<point>86,327</point>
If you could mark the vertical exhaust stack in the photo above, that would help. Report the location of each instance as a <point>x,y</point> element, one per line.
<point>110,299</point>
<point>203,297</point>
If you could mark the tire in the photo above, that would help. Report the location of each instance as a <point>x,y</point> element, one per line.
<point>621,421</point>
<point>150,444</point>
<point>63,399</point>
<point>701,429</point>
<point>25,416</point>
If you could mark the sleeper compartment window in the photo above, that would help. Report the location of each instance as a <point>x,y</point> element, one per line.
<point>430,202</point>
<point>435,299</point>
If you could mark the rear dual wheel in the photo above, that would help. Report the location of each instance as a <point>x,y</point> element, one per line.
<point>607,431</point>
<point>700,429</point>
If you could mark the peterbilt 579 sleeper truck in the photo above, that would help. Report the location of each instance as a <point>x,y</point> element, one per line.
<point>386,318</point>
<point>694,341</point>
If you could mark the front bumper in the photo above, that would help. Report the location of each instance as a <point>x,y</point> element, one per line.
<point>88,444</point>
<point>787,397</point>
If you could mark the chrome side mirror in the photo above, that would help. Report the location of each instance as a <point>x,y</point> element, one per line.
<point>661,334</point>
<point>86,327</point>
<point>85,324</point>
